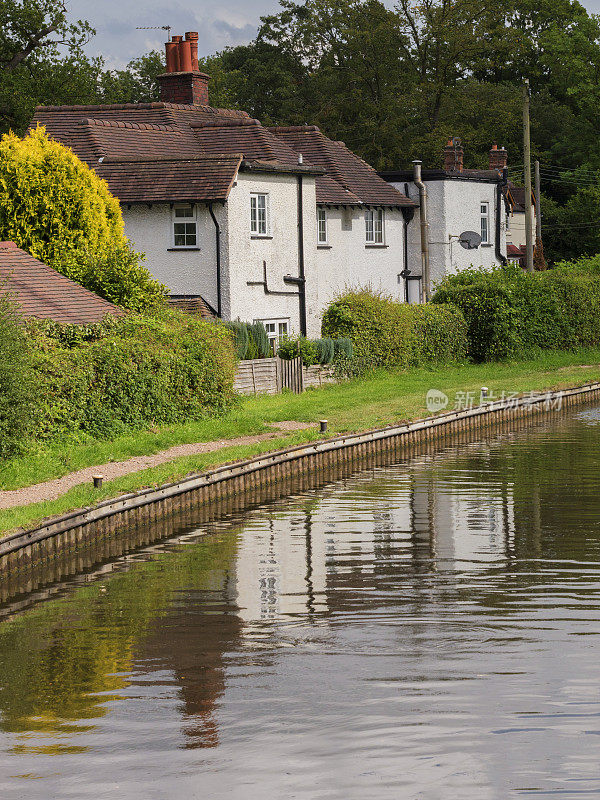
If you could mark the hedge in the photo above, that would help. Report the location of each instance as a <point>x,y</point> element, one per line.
<point>387,333</point>
<point>17,389</point>
<point>510,312</point>
<point>129,373</point>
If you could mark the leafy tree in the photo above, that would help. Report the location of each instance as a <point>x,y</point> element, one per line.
<point>41,59</point>
<point>137,83</point>
<point>60,211</point>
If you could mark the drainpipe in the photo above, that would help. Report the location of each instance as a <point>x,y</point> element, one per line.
<point>407,215</point>
<point>218,251</point>
<point>499,256</point>
<point>301,280</point>
<point>424,230</point>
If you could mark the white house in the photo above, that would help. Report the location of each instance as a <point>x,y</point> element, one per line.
<point>459,201</point>
<point>248,222</point>
<point>515,223</point>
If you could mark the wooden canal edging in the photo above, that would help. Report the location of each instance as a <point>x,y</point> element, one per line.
<point>60,540</point>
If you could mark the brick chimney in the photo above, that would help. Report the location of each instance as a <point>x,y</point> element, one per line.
<point>498,158</point>
<point>183,82</point>
<point>453,155</point>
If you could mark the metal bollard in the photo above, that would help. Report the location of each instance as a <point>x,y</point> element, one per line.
<point>323,425</point>
<point>484,392</point>
<point>98,481</point>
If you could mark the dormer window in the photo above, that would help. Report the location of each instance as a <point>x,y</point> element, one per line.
<point>185,226</point>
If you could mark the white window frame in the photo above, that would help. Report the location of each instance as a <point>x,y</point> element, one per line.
<point>322,233</point>
<point>258,227</point>
<point>484,211</point>
<point>189,220</point>
<point>277,329</point>
<point>375,226</point>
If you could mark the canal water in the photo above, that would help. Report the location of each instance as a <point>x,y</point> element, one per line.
<point>424,630</point>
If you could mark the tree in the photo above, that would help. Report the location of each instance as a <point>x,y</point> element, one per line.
<point>137,83</point>
<point>42,59</point>
<point>60,211</point>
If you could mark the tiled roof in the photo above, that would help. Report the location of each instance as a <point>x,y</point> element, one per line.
<point>358,181</point>
<point>243,136</point>
<point>43,293</point>
<point>166,180</point>
<point>165,152</point>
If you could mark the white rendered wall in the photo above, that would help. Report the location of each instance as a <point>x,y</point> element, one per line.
<point>454,206</point>
<point>184,272</point>
<point>515,233</point>
<point>245,253</point>
<point>348,262</point>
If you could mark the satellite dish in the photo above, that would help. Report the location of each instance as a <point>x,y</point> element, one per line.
<point>469,240</point>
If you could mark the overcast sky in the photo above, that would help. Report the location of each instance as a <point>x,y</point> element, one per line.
<point>227,22</point>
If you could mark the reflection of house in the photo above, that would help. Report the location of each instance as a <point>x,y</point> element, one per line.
<point>303,561</point>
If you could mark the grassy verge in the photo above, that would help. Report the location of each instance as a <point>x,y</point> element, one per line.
<point>378,400</point>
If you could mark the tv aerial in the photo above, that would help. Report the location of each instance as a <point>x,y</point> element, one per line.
<point>470,240</point>
<point>157,28</point>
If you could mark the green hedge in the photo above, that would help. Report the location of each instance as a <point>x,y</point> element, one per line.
<point>510,312</point>
<point>129,373</point>
<point>18,393</point>
<point>387,333</point>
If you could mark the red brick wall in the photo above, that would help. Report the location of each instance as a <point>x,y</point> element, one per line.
<point>188,88</point>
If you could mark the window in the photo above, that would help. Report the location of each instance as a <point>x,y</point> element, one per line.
<point>485,223</point>
<point>321,226</point>
<point>374,226</point>
<point>185,227</point>
<point>277,329</point>
<point>259,214</point>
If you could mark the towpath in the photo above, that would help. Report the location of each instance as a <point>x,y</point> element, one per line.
<point>50,490</point>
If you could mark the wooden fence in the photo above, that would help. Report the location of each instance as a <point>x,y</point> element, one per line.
<point>271,375</point>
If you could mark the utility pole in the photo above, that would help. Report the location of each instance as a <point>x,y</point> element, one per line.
<point>527,160</point>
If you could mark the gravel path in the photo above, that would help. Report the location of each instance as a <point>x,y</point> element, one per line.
<point>50,490</point>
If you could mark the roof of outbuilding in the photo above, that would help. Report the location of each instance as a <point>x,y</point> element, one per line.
<point>43,293</point>
<point>348,179</point>
<point>479,175</point>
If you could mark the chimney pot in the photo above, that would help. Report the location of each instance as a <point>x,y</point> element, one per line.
<point>185,57</point>
<point>192,38</point>
<point>183,83</point>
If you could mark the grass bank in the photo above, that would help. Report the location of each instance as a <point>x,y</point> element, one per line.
<point>381,399</point>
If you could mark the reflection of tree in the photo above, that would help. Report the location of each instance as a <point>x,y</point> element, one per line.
<point>57,658</point>
<point>191,643</point>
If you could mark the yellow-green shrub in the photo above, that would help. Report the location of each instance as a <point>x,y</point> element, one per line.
<point>58,209</point>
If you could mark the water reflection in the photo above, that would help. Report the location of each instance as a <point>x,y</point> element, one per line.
<point>423,630</point>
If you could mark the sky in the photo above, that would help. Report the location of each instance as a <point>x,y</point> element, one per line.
<point>228,22</point>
